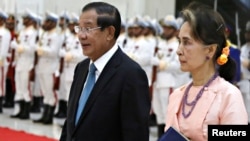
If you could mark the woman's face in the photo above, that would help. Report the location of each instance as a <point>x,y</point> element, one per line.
<point>191,52</point>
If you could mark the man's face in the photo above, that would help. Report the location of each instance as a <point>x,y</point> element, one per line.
<point>1,21</point>
<point>61,22</point>
<point>168,32</point>
<point>49,24</point>
<point>10,23</point>
<point>94,42</point>
<point>26,21</point>
<point>71,27</point>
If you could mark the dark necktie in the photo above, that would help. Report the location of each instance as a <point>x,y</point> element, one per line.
<point>86,91</point>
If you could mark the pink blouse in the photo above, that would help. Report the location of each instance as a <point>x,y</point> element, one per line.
<point>220,103</point>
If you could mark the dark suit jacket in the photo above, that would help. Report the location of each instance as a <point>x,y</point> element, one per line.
<point>117,108</point>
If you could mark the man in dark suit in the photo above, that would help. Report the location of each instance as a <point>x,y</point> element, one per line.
<point>118,106</point>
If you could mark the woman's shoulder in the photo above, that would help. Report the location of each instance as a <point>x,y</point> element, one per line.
<point>220,85</point>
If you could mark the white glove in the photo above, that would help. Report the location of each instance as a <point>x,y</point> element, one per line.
<point>68,57</point>
<point>62,52</point>
<point>162,65</point>
<point>131,55</point>
<point>13,44</point>
<point>57,73</point>
<point>160,54</point>
<point>20,49</point>
<point>155,61</point>
<point>40,51</point>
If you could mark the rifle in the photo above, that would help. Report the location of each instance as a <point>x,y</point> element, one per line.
<point>57,83</point>
<point>154,72</point>
<point>11,58</point>
<point>154,68</point>
<point>38,40</point>
<point>64,42</point>
<point>14,36</point>
<point>237,29</point>
<point>215,5</point>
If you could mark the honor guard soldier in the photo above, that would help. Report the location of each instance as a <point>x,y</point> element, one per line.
<point>150,36</point>
<point>11,23</point>
<point>141,50</point>
<point>37,97</point>
<point>63,24</point>
<point>71,54</point>
<point>24,46</point>
<point>64,33</point>
<point>47,65</point>
<point>5,38</point>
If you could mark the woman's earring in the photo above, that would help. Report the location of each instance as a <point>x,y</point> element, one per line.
<point>207,57</point>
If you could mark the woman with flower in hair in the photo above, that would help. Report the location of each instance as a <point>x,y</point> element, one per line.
<point>210,98</point>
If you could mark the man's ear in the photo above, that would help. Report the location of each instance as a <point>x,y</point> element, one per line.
<point>111,32</point>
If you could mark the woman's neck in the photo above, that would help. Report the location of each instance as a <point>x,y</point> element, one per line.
<point>201,79</point>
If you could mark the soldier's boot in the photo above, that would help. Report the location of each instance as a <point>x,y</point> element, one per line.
<point>62,109</point>
<point>19,105</point>
<point>1,104</point>
<point>36,105</point>
<point>44,114</point>
<point>25,112</point>
<point>49,118</point>
<point>9,96</point>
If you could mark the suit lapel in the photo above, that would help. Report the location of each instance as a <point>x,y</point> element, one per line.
<point>82,72</point>
<point>105,76</point>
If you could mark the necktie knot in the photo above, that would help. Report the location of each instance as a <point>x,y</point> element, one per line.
<point>92,68</point>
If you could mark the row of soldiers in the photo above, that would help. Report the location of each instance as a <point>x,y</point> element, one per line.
<point>40,58</point>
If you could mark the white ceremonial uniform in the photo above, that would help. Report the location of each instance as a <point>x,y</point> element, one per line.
<point>24,60</point>
<point>142,52</point>
<point>168,76</point>
<point>129,45</point>
<point>47,65</point>
<point>244,83</point>
<point>36,92</point>
<point>5,38</point>
<point>121,40</point>
<point>151,43</point>
<point>63,34</point>
<point>72,54</point>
